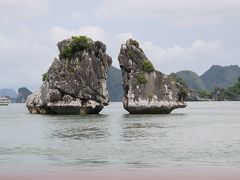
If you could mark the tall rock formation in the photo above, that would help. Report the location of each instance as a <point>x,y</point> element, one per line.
<point>23,93</point>
<point>147,91</point>
<point>76,82</point>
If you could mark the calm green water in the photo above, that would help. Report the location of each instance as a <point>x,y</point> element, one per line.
<point>203,134</point>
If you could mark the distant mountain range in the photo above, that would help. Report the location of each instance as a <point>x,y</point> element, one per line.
<point>114,84</point>
<point>19,97</point>
<point>192,79</point>
<point>216,76</point>
<point>8,92</point>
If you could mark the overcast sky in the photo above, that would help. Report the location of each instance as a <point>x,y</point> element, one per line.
<point>175,34</point>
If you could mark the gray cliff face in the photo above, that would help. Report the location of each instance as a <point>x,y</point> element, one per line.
<point>146,91</point>
<point>76,82</point>
<point>23,93</point>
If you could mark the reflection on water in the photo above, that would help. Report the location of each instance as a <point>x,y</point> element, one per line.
<point>144,127</point>
<point>204,133</point>
<point>139,130</point>
<point>134,135</point>
<point>82,133</point>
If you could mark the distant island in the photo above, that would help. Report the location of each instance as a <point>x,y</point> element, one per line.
<point>23,93</point>
<point>19,97</point>
<point>217,83</point>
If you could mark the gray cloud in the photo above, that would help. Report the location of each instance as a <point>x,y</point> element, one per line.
<point>175,35</point>
<point>180,13</point>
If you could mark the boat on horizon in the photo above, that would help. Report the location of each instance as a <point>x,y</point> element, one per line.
<point>4,101</point>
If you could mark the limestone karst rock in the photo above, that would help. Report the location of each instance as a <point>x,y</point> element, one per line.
<point>76,82</point>
<point>146,91</point>
<point>23,93</point>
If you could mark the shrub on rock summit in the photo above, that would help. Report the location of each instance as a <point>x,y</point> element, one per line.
<point>77,43</point>
<point>134,43</point>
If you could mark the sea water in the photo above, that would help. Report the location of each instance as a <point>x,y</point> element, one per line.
<point>202,134</point>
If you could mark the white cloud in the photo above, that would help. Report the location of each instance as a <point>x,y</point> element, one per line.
<point>95,32</point>
<point>5,43</point>
<point>199,48</point>
<point>79,16</point>
<point>112,41</point>
<point>115,44</point>
<point>199,56</point>
<point>123,37</point>
<point>178,12</point>
<point>27,48</point>
<point>24,4</point>
<point>23,59</point>
<point>12,10</point>
<point>27,56</point>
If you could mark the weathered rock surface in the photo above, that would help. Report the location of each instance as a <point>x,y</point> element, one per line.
<point>146,91</point>
<point>192,96</point>
<point>23,93</point>
<point>76,82</point>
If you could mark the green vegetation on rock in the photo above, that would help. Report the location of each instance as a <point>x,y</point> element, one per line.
<point>179,80</point>
<point>65,52</point>
<point>141,79</point>
<point>183,88</point>
<point>134,43</point>
<point>147,66</point>
<point>77,43</point>
<point>183,91</point>
<point>182,82</point>
<point>204,94</point>
<point>131,53</point>
<point>232,93</point>
<point>45,77</point>
<point>216,76</point>
<point>218,83</point>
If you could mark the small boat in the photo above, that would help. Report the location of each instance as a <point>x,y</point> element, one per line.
<point>4,101</point>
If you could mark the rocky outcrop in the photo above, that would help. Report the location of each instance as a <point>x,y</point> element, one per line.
<point>23,93</point>
<point>192,96</point>
<point>147,91</point>
<point>76,82</point>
